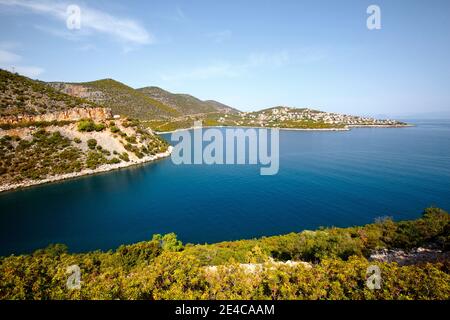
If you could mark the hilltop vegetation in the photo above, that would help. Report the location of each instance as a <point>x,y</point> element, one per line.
<point>185,104</point>
<point>122,99</point>
<point>23,96</point>
<point>334,266</point>
<point>149,103</point>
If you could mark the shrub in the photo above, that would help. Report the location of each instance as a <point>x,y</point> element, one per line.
<point>86,125</point>
<point>92,143</point>
<point>131,139</point>
<point>114,129</point>
<point>114,161</point>
<point>100,127</point>
<point>124,156</point>
<point>95,159</point>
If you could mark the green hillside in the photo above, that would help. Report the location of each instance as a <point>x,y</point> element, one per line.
<point>123,99</point>
<point>220,107</point>
<point>69,148</point>
<point>20,95</point>
<point>185,104</point>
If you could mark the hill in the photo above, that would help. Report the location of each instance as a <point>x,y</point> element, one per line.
<point>50,151</point>
<point>48,135</point>
<point>220,107</point>
<point>21,96</point>
<point>185,104</point>
<point>122,99</point>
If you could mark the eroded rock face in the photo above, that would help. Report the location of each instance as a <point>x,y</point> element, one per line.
<point>409,257</point>
<point>76,90</point>
<point>74,114</point>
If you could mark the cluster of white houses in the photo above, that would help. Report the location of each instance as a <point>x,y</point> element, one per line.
<point>280,114</point>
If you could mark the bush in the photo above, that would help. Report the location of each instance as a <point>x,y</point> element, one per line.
<point>100,127</point>
<point>168,242</point>
<point>88,125</point>
<point>124,156</point>
<point>131,139</point>
<point>114,129</point>
<point>114,161</point>
<point>92,143</point>
<point>95,159</point>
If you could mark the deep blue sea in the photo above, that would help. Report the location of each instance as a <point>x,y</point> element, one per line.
<point>325,179</point>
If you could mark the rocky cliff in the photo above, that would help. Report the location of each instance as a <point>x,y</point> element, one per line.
<point>74,114</point>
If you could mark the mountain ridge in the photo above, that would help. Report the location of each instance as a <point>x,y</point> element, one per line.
<point>185,103</point>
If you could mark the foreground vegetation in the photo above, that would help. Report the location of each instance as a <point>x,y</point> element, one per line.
<point>165,269</point>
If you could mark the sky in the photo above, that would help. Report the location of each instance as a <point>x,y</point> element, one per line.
<point>247,54</point>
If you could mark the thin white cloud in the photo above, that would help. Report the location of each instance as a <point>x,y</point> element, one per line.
<point>220,36</point>
<point>229,70</point>
<point>122,29</point>
<point>9,61</point>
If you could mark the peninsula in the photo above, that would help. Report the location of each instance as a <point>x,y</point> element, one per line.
<point>55,131</point>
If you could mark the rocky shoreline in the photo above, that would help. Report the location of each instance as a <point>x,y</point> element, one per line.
<point>86,172</point>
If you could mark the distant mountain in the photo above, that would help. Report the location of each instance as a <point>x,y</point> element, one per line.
<point>21,96</point>
<point>220,107</point>
<point>184,103</point>
<point>121,98</point>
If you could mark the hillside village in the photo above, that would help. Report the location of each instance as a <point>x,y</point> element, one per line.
<point>283,114</point>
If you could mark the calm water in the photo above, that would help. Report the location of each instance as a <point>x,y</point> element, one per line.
<point>325,179</point>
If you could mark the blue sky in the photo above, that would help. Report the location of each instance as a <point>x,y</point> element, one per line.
<point>248,54</point>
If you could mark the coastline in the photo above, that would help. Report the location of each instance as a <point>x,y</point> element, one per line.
<point>346,128</point>
<point>86,172</point>
<point>250,127</point>
<point>381,126</point>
